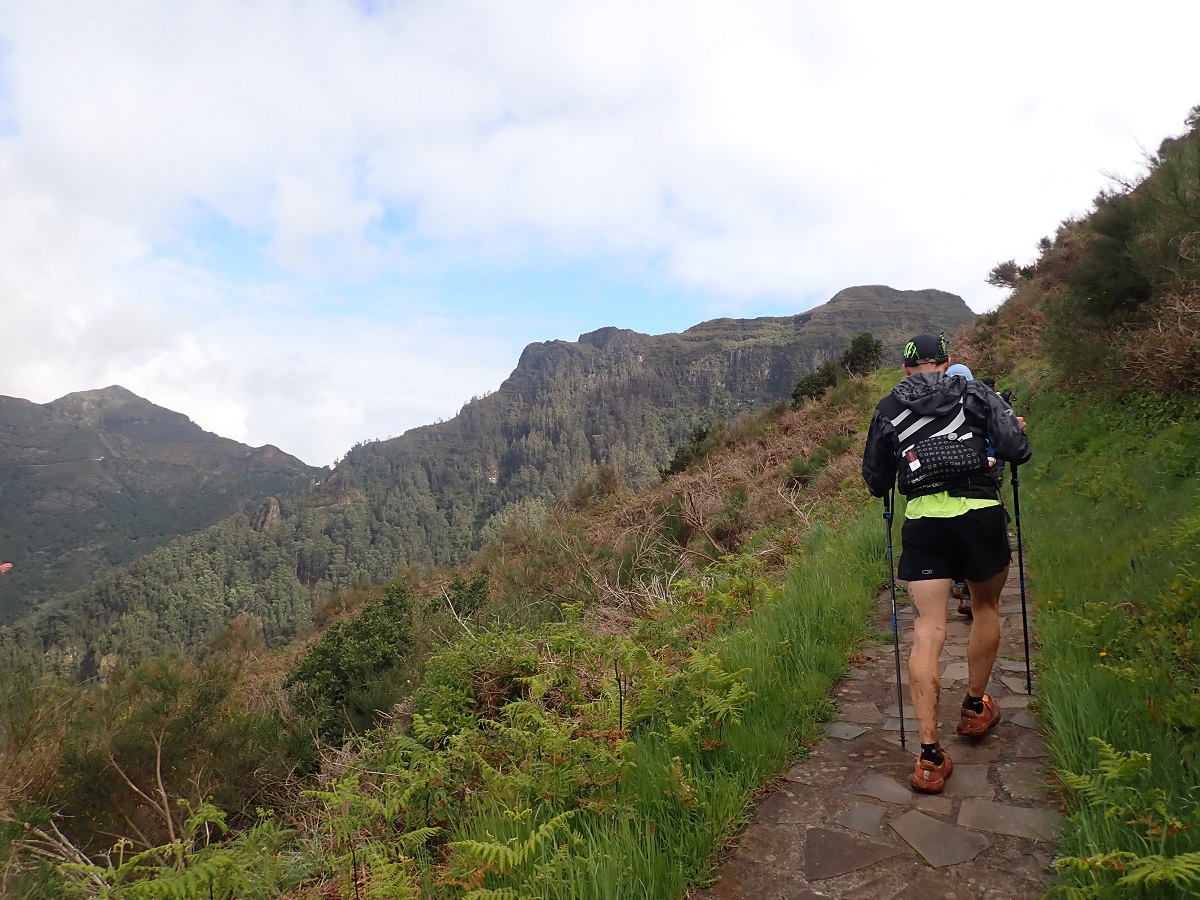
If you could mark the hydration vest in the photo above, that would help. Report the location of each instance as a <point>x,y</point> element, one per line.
<point>941,453</point>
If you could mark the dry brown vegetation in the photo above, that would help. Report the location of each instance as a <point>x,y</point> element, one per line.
<point>620,551</point>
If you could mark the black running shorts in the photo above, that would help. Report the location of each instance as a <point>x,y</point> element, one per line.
<point>973,546</point>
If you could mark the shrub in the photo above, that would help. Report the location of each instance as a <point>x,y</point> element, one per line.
<point>705,439</point>
<point>356,655</point>
<point>815,383</point>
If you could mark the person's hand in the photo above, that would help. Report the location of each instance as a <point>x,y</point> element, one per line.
<point>1021,422</point>
<point>4,567</point>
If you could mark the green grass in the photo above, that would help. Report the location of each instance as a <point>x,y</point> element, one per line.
<point>1109,516</point>
<point>679,803</point>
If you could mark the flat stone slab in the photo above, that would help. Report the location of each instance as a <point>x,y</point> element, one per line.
<point>883,788</point>
<point>1012,701</point>
<point>1027,745</point>
<point>865,818</point>
<point>1023,718</point>
<point>1001,818</point>
<point>860,713</point>
<point>1016,684</point>
<point>931,886</point>
<point>1023,783</point>
<point>789,807</point>
<point>955,671</point>
<point>938,805</point>
<point>844,731</point>
<point>969,781</point>
<point>828,854</point>
<point>938,843</point>
<point>884,886</point>
<point>974,753</point>
<point>769,845</point>
<point>1012,666</point>
<point>742,879</point>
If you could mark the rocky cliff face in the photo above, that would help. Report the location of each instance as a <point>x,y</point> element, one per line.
<point>615,397</point>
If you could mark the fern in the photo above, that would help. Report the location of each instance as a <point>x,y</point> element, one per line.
<point>1177,871</point>
<point>1113,788</point>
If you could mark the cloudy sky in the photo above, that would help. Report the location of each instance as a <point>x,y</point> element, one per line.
<point>315,223</point>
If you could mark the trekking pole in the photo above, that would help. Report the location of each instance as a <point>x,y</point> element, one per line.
<point>1016,483</point>
<point>888,504</point>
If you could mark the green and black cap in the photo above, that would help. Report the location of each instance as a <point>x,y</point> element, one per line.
<point>926,347</point>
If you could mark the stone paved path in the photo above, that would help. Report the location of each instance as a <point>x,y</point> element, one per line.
<point>844,822</point>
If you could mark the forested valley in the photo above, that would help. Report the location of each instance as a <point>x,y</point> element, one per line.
<point>610,408</point>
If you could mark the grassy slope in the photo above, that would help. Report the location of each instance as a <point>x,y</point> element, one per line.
<point>631,786</point>
<point>1109,513</point>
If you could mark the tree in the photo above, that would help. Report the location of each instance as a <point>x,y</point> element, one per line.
<point>815,383</point>
<point>1006,274</point>
<point>865,354</point>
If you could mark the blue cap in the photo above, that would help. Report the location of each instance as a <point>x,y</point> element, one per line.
<point>960,370</point>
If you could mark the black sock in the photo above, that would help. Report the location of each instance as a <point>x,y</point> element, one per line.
<point>974,704</point>
<point>932,752</point>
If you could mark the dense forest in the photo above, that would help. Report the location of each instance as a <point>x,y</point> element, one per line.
<point>615,400</point>
<point>95,479</point>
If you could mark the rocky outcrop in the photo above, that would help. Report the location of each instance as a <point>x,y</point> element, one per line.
<point>268,514</point>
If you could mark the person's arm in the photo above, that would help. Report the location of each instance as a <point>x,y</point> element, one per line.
<point>879,456</point>
<point>1006,430</point>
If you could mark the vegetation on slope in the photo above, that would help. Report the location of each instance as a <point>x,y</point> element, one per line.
<point>1109,314</point>
<point>96,479</point>
<point>619,671</point>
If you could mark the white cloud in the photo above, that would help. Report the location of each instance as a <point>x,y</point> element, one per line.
<point>738,150</point>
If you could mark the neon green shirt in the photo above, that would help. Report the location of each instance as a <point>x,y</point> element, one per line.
<point>942,506</point>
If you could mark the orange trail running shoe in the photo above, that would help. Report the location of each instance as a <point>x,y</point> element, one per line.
<point>975,725</point>
<point>929,778</point>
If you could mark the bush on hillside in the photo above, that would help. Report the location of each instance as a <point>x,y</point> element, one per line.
<point>815,383</point>
<point>863,356</point>
<point>704,439</point>
<point>1122,283</point>
<point>351,673</point>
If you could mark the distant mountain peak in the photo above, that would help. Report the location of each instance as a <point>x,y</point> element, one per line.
<point>95,406</point>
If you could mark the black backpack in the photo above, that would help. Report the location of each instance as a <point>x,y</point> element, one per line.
<point>932,462</point>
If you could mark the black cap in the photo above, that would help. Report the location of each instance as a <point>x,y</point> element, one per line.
<point>928,347</point>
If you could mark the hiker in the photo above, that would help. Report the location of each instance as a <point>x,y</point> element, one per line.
<point>958,587</point>
<point>1007,396</point>
<point>933,432</point>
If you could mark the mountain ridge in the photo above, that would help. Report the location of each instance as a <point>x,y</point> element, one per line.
<point>95,479</point>
<point>615,398</point>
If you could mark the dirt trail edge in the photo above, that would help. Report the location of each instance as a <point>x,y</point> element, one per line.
<point>844,822</point>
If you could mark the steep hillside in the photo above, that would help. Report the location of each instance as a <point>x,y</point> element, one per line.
<point>95,479</point>
<point>615,398</point>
